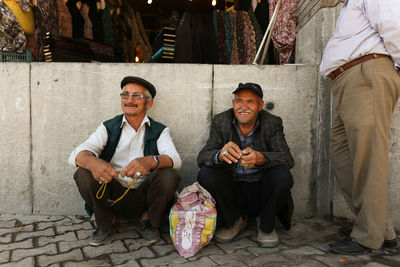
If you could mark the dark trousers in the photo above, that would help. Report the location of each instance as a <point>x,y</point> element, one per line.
<point>153,196</point>
<point>266,198</point>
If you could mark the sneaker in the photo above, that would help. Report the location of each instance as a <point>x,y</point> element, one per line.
<point>149,233</point>
<point>346,231</point>
<point>348,246</point>
<point>99,237</point>
<point>268,240</point>
<point>227,234</point>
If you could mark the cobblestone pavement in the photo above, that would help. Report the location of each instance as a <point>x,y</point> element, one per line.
<point>64,241</point>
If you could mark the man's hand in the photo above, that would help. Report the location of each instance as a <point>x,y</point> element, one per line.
<point>142,165</point>
<point>102,170</point>
<point>230,152</point>
<point>251,158</point>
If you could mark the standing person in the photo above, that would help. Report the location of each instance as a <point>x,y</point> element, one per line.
<point>128,145</point>
<point>362,59</point>
<point>245,166</point>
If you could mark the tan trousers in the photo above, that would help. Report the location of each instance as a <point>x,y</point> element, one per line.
<point>365,97</point>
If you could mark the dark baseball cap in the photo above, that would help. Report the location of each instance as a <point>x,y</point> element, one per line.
<point>146,84</point>
<point>251,86</point>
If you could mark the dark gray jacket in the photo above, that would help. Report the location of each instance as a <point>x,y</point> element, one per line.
<point>268,137</point>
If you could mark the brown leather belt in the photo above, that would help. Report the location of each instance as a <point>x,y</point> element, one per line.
<point>354,62</point>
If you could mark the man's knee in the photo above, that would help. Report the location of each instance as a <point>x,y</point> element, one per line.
<point>282,178</point>
<point>167,179</point>
<point>84,180</point>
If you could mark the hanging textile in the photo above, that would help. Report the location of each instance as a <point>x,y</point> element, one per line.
<point>12,37</point>
<point>235,52</point>
<point>249,38</point>
<point>106,18</point>
<point>184,40</point>
<point>77,19</point>
<point>284,32</point>
<point>240,37</point>
<point>143,38</point>
<point>228,35</point>
<point>48,10</point>
<point>208,40</point>
<point>64,19</point>
<point>222,55</point>
<point>95,18</point>
<point>257,29</point>
<point>88,25</point>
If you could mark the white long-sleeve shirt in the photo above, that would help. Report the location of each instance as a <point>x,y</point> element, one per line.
<point>363,27</point>
<point>130,146</point>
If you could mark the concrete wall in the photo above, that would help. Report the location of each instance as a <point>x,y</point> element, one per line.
<point>49,108</point>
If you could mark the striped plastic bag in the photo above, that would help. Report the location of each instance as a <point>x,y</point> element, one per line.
<point>192,220</point>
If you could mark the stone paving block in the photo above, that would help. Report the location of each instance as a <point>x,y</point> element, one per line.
<point>70,236</point>
<point>119,258</point>
<point>67,228</point>
<point>391,260</point>
<point>131,263</point>
<point>163,250</point>
<point>209,250</point>
<point>22,236</point>
<point>237,244</point>
<point>4,256</point>
<point>44,225</point>
<point>306,250</point>
<point>22,253</point>
<point>167,238</point>
<point>239,257</point>
<point>88,263</point>
<point>46,260</point>
<point>26,228</point>
<point>375,264</point>
<point>275,259</point>
<point>84,234</point>
<point>92,251</point>
<point>203,262</point>
<point>65,246</point>
<point>257,251</point>
<point>135,244</point>
<point>5,238</point>
<point>16,245</point>
<point>25,219</point>
<point>7,223</point>
<point>171,258</point>
<point>22,263</point>
<point>130,233</point>
<point>336,260</point>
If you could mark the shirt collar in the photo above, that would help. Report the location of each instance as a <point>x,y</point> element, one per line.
<point>235,123</point>
<point>145,120</point>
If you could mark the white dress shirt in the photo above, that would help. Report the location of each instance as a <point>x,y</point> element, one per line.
<point>363,27</point>
<point>130,146</point>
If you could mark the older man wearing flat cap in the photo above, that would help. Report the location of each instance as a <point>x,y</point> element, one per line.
<point>127,166</point>
<point>245,166</point>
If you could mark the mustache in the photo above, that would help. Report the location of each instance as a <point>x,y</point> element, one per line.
<point>244,110</point>
<point>130,105</point>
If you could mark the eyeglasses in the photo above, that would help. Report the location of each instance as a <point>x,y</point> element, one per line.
<point>135,96</point>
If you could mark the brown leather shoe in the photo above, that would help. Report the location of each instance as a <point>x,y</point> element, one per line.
<point>268,240</point>
<point>227,234</point>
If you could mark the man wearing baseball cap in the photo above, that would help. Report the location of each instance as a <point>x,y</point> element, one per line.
<point>127,166</point>
<point>245,166</point>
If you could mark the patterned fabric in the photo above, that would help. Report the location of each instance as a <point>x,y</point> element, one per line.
<point>64,19</point>
<point>24,5</point>
<point>108,31</point>
<point>235,52</point>
<point>228,36</point>
<point>284,32</point>
<point>88,25</point>
<point>268,138</point>
<point>249,38</point>
<point>12,37</point>
<point>240,173</point>
<point>48,10</point>
<point>222,56</point>
<point>257,28</point>
<point>240,37</point>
